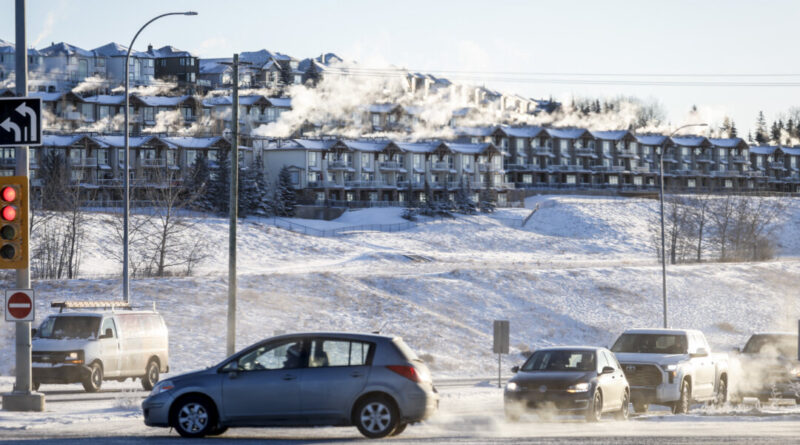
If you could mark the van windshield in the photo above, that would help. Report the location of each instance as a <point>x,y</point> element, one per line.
<point>69,327</point>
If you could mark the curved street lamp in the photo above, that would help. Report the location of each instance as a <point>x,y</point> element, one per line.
<point>661,199</point>
<point>126,181</point>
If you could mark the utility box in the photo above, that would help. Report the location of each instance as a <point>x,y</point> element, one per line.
<point>501,337</point>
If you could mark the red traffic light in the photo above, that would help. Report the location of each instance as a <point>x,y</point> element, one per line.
<point>9,194</point>
<point>9,213</point>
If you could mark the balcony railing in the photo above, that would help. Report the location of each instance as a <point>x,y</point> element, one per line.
<point>368,184</point>
<point>641,169</point>
<point>324,184</point>
<point>390,165</point>
<point>339,165</point>
<point>704,159</point>
<point>542,151</point>
<point>740,159</point>
<point>83,162</point>
<point>608,168</point>
<point>440,166</point>
<point>8,162</point>
<point>627,154</point>
<point>153,162</point>
<point>777,165</point>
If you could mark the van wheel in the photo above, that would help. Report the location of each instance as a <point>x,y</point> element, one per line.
<point>376,417</point>
<point>150,377</point>
<point>94,380</point>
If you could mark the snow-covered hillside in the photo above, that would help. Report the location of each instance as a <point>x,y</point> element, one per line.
<point>580,271</point>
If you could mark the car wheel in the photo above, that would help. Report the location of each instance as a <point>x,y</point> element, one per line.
<point>682,405</point>
<point>218,430</point>
<point>595,410</point>
<point>400,428</point>
<point>639,407</point>
<point>150,377</point>
<point>94,380</point>
<point>722,392</point>
<point>194,417</point>
<point>376,417</point>
<point>624,411</point>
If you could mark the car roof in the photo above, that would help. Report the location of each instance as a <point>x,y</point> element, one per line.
<point>572,348</point>
<point>775,334</point>
<point>347,335</point>
<point>101,313</point>
<point>660,331</point>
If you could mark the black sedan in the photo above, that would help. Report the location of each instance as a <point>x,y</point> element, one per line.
<point>569,380</point>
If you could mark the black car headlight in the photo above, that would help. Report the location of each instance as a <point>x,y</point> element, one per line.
<point>512,387</point>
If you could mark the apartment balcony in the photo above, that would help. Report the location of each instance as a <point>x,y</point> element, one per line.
<point>543,151</point>
<point>73,116</point>
<point>484,168</point>
<point>83,162</point>
<point>369,184</point>
<point>608,168</point>
<point>777,166</point>
<point>687,172</point>
<point>503,185</point>
<point>725,173</point>
<point>704,160</point>
<point>324,184</point>
<point>390,166</point>
<point>413,184</point>
<point>440,166</point>
<point>641,169</point>
<point>339,165</point>
<point>754,173</point>
<point>627,154</point>
<point>8,162</point>
<point>585,152</point>
<point>150,163</point>
<point>740,159</point>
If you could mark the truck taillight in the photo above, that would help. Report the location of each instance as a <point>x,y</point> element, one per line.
<point>408,372</point>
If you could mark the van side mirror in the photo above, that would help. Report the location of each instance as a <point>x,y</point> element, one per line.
<point>515,369</point>
<point>33,332</point>
<point>607,370</point>
<point>108,334</point>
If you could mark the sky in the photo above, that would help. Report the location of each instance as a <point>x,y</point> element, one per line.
<point>620,38</point>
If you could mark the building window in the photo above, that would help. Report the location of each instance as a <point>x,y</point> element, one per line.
<point>613,180</point>
<point>570,179</point>
<point>520,144</point>
<point>313,159</point>
<point>376,120</point>
<point>691,183</point>
<point>728,184</point>
<point>637,180</point>
<point>295,177</point>
<point>298,79</point>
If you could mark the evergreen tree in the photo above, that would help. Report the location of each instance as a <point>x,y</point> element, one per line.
<point>285,199</point>
<point>775,132</point>
<point>219,190</point>
<point>725,129</point>
<point>197,182</point>
<point>248,192</point>
<point>487,204</point>
<point>411,203</point>
<point>761,129</point>
<point>262,202</point>
<point>732,133</point>
<point>464,202</point>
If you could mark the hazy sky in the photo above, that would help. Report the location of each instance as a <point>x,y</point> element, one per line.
<point>589,37</point>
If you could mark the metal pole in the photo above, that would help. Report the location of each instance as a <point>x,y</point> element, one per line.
<point>126,180</point>
<point>499,367</point>
<point>663,243</point>
<point>233,210</point>
<point>21,398</point>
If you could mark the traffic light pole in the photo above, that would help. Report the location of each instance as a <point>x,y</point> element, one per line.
<point>233,210</point>
<point>21,398</point>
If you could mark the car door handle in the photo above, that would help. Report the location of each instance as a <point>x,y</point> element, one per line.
<point>356,374</point>
<point>289,377</point>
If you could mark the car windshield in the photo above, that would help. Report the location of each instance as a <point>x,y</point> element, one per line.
<point>560,360</point>
<point>651,344</point>
<point>772,345</point>
<point>69,327</point>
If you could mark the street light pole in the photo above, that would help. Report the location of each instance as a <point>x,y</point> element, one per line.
<point>661,199</point>
<point>126,179</point>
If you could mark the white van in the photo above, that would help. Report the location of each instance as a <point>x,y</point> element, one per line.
<point>89,347</point>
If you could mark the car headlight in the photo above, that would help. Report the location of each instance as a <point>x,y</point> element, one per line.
<point>578,387</point>
<point>512,387</point>
<point>74,357</point>
<point>162,386</point>
<point>669,367</point>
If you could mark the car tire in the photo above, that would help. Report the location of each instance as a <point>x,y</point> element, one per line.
<point>595,410</point>
<point>218,430</point>
<point>722,392</point>
<point>639,407</point>
<point>624,411</point>
<point>682,405</point>
<point>151,375</point>
<point>94,381</point>
<point>376,417</point>
<point>400,428</point>
<point>193,417</point>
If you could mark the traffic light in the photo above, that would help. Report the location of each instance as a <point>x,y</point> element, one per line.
<point>13,222</point>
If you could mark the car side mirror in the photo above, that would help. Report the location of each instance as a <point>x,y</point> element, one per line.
<point>701,352</point>
<point>515,369</point>
<point>108,334</point>
<point>33,332</point>
<point>607,370</point>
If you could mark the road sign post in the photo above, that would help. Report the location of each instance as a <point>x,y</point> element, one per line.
<point>501,345</point>
<point>19,114</point>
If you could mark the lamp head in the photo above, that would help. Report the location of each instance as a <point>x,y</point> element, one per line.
<point>190,13</point>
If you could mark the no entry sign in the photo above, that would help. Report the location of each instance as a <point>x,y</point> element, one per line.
<point>19,305</point>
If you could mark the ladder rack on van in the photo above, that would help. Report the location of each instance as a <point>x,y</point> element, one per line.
<point>90,305</point>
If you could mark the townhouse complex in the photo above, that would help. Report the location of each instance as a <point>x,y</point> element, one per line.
<point>171,127</point>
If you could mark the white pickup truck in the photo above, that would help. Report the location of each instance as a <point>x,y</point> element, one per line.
<point>671,367</point>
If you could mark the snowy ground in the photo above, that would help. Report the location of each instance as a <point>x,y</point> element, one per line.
<point>581,271</point>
